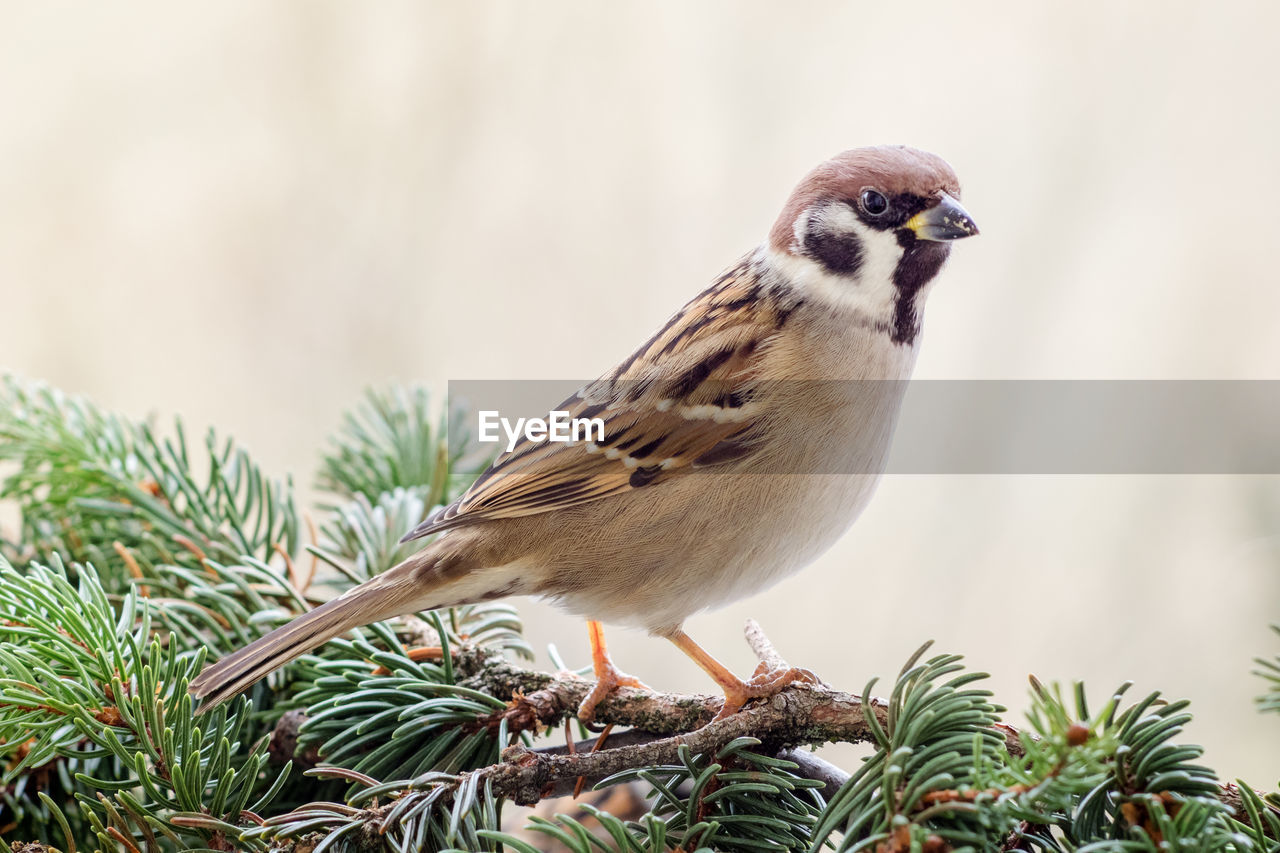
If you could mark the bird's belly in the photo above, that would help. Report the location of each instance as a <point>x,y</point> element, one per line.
<point>712,536</point>
<point>736,537</point>
<point>791,532</point>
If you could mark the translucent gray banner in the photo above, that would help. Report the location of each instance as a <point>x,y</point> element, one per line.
<point>970,426</point>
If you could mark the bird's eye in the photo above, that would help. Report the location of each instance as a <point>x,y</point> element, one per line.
<point>873,202</point>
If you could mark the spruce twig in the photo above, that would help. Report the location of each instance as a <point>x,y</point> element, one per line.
<point>196,552</point>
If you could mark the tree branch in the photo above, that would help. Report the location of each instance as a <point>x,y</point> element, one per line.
<point>820,770</point>
<point>796,716</point>
<point>802,714</point>
<point>660,724</point>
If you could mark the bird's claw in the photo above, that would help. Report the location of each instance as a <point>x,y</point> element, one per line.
<point>764,683</point>
<point>608,679</point>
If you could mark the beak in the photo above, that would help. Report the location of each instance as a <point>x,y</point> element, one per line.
<point>946,220</point>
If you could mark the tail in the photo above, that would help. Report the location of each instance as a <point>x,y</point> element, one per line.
<point>407,588</point>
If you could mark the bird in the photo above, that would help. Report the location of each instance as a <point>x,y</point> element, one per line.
<point>740,442</point>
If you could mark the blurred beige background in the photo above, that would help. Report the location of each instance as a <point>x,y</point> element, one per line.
<point>245,213</point>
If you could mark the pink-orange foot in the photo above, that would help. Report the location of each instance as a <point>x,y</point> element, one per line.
<point>608,676</point>
<point>764,683</point>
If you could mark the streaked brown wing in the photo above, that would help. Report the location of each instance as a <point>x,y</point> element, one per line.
<point>682,401</point>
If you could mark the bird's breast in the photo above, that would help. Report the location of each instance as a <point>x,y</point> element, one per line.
<point>730,530</point>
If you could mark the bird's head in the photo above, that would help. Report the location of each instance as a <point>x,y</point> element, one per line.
<point>870,228</point>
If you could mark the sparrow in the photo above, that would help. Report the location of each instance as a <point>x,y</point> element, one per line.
<point>741,440</point>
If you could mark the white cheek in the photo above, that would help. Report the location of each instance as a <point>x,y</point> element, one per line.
<point>871,291</point>
<point>881,253</point>
<point>839,218</point>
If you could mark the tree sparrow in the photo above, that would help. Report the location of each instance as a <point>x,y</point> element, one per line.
<point>740,440</point>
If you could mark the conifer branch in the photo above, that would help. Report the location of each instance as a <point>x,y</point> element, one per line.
<point>420,729</point>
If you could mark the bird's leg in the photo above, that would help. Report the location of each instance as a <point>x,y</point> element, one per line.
<point>766,681</point>
<point>608,676</point>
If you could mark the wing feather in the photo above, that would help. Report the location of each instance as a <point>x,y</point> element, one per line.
<point>682,401</point>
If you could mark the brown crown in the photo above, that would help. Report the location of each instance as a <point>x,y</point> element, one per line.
<point>891,169</point>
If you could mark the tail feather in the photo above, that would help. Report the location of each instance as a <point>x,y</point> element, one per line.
<point>380,598</point>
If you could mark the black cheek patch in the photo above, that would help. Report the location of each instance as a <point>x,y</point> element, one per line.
<point>838,253</point>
